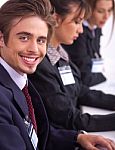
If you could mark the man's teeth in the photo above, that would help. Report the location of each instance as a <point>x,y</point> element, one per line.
<point>29,59</point>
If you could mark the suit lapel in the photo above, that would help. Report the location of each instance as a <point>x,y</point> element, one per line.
<point>19,98</point>
<point>41,116</point>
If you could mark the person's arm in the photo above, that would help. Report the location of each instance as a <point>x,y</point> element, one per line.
<point>62,139</point>
<point>96,98</point>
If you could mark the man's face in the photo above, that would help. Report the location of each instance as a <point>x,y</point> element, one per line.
<point>26,45</point>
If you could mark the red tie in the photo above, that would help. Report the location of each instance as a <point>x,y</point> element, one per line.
<point>30,106</point>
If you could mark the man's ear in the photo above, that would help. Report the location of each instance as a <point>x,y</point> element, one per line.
<point>1,39</point>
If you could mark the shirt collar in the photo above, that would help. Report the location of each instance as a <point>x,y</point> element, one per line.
<point>19,79</point>
<point>86,23</point>
<point>55,54</point>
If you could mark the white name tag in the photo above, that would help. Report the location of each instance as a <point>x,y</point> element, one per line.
<point>98,65</point>
<point>32,134</point>
<point>66,75</point>
<point>34,138</point>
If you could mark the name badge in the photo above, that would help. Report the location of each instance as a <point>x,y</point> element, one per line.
<point>32,134</point>
<point>66,75</point>
<point>98,65</point>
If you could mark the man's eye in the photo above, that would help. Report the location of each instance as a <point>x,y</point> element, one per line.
<point>23,38</point>
<point>41,41</point>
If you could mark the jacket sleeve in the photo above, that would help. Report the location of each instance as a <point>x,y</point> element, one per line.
<point>61,139</point>
<point>96,98</point>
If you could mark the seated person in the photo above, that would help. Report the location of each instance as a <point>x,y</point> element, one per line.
<point>58,80</point>
<point>85,51</point>
<point>25,26</point>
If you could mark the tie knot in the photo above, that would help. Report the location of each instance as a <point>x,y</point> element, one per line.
<point>25,90</point>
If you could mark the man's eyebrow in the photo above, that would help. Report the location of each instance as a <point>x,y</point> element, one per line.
<point>26,33</point>
<point>42,37</point>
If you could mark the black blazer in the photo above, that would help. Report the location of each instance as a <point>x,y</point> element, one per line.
<point>81,53</point>
<point>13,109</point>
<point>63,102</point>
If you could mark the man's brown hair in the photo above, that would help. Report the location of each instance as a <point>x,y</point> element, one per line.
<point>13,9</point>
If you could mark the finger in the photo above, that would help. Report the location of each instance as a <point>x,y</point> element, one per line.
<point>108,146</point>
<point>91,147</point>
<point>112,143</point>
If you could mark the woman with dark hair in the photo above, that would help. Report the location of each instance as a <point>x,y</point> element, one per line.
<point>58,80</point>
<point>85,51</point>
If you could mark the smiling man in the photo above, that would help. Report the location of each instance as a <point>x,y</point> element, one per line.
<point>25,28</point>
<point>26,46</point>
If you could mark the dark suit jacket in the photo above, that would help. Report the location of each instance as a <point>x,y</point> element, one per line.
<point>13,109</point>
<point>63,102</point>
<point>81,53</point>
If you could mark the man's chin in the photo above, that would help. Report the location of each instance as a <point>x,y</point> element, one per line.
<point>31,71</point>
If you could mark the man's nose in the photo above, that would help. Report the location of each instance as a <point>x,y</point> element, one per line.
<point>33,46</point>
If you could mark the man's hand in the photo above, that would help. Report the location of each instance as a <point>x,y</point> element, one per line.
<point>95,142</point>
